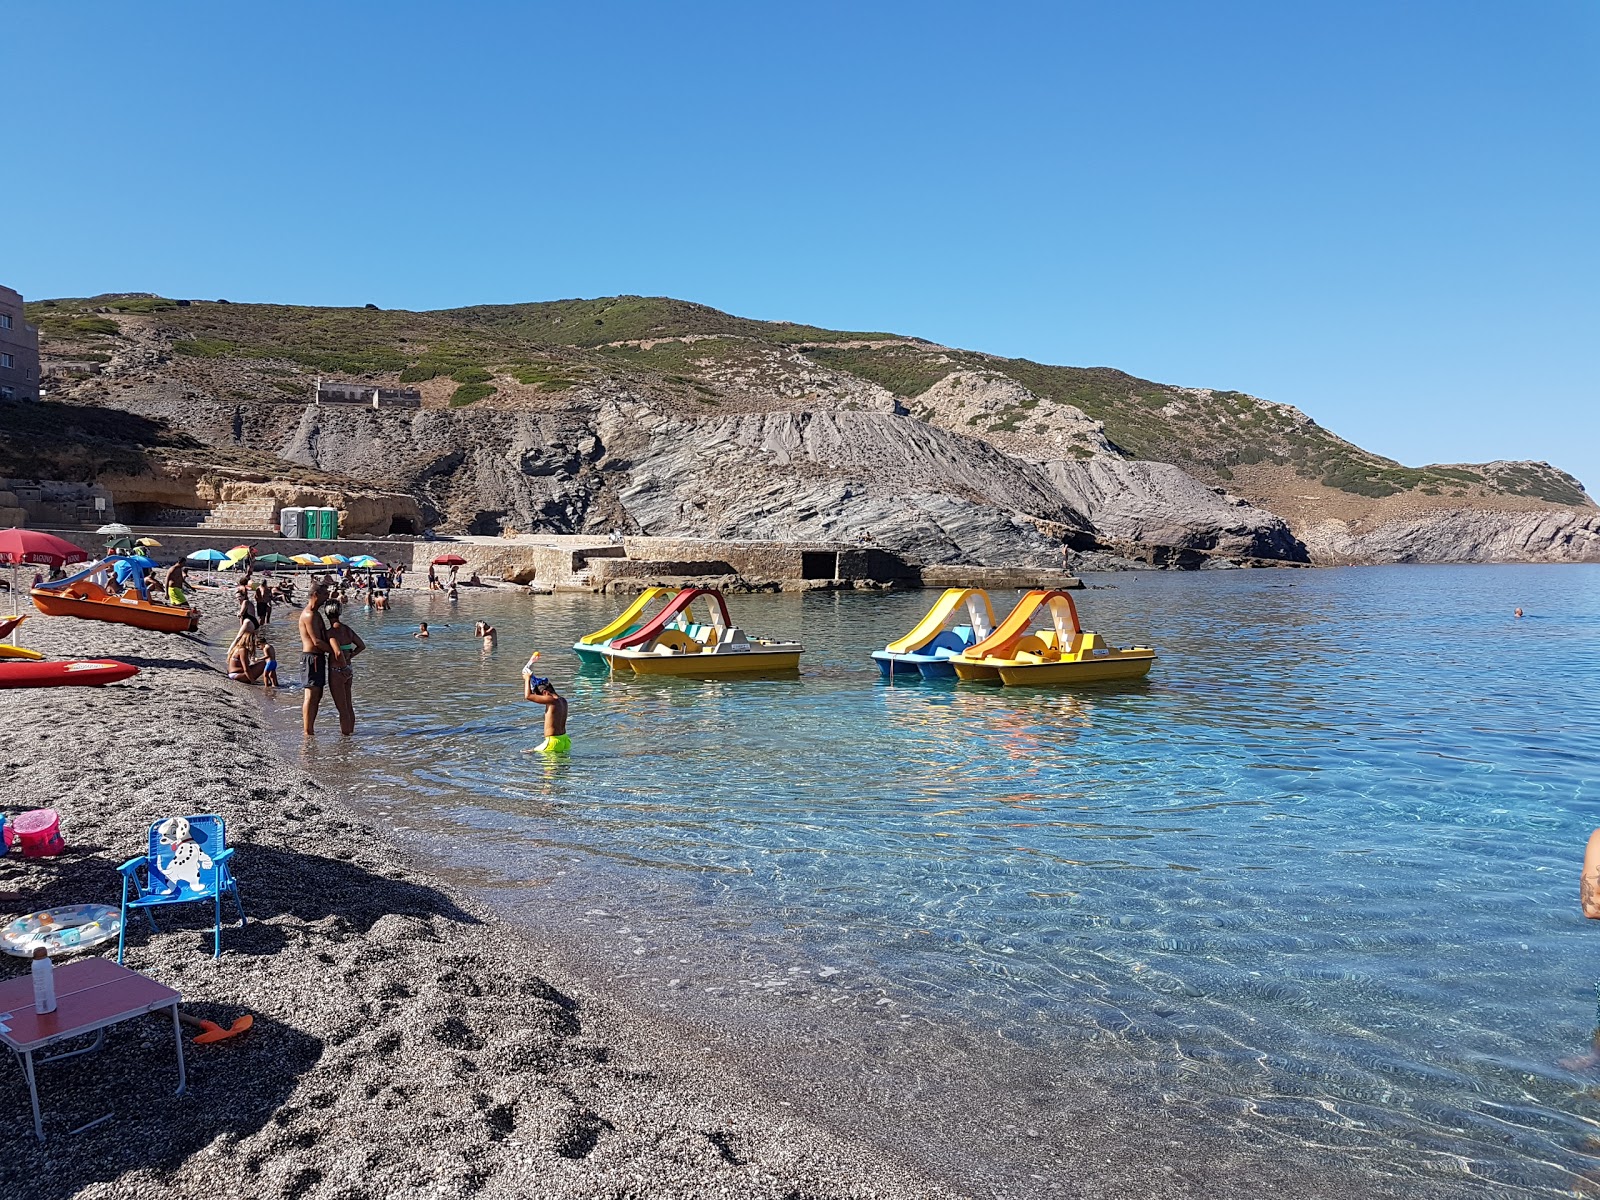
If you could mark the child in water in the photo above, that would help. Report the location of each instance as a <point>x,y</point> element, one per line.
<point>541,691</point>
<point>269,677</point>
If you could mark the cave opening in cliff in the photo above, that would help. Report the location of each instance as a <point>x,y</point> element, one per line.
<point>819,564</point>
<point>402,525</point>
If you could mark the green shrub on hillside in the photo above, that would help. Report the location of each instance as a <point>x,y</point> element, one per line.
<point>545,376</point>
<point>471,375</point>
<point>899,369</point>
<point>94,325</point>
<point>141,304</point>
<point>471,393</point>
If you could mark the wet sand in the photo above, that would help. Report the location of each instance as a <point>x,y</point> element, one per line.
<point>407,1042</point>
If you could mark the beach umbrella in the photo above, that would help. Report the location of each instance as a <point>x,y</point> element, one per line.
<point>367,562</point>
<point>334,560</point>
<point>115,529</point>
<point>208,558</point>
<point>33,546</point>
<point>273,560</point>
<point>308,560</point>
<point>449,560</point>
<point>149,543</point>
<point>18,546</point>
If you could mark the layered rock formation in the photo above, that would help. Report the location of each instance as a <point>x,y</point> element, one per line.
<point>661,417</point>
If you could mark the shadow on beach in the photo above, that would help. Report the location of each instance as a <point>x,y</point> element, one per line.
<point>301,907</point>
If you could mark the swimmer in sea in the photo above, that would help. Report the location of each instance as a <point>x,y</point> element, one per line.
<point>540,691</point>
<point>422,631</point>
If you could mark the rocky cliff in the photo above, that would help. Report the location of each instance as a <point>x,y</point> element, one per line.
<point>660,417</point>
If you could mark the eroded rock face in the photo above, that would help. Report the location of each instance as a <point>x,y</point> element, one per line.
<point>835,476</point>
<point>1460,536</point>
<point>1159,504</point>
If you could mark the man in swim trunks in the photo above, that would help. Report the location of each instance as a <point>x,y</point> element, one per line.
<point>175,582</point>
<point>314,651</point>
<point>540,691</point>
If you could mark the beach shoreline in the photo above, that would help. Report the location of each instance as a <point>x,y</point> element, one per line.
<point>407,1040</point>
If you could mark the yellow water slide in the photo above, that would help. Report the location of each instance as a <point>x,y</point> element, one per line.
<point>629,616</point>
<point>928,628</point>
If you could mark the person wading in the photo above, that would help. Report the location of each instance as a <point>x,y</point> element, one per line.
<point>314,651</point>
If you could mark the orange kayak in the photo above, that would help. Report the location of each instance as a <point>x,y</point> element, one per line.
<point>92,603</point>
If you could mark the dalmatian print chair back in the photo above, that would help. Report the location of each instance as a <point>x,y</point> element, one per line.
<point>181,850</point>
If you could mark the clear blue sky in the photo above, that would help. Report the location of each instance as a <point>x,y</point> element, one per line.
<point>1380,211</point>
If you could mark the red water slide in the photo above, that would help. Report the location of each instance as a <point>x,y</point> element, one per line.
<point>664,618</point>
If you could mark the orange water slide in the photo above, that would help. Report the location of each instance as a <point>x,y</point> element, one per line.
<point>1002,642</point>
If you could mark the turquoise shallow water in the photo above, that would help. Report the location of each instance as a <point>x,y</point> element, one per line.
<point>1314,882</point>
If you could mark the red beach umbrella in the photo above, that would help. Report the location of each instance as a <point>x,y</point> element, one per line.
<point>19,546</point>
<point>449,560</point>
<point>32,546</point>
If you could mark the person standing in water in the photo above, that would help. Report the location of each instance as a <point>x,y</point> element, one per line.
<point>346,643</point>
<point>314,651</point>
<point>540,691</point>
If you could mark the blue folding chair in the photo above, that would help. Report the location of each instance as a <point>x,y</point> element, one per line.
<point>188,862</point>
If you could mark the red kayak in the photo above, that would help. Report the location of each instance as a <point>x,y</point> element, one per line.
<point>92,673</point>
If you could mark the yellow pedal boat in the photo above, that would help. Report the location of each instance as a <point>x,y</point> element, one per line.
<point>1060,651</point>
<point>664,645</point>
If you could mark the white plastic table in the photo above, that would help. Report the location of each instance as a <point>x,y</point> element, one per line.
<point>92,995</point>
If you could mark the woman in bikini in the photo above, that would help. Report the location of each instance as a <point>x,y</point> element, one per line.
<point>243,665</point>
<point>347,644</point>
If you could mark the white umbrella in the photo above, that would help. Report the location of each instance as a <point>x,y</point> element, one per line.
<point>115,529</point>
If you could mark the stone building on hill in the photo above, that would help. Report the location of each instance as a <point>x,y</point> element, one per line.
<point>19,350</point>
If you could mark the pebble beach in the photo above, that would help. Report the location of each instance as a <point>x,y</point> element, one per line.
<point>406,1041</point>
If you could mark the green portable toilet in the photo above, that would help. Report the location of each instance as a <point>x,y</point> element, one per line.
<point>327,523</point>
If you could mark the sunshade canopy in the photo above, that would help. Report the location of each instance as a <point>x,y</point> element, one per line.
<point>211,556</point>
<point>449,560</point>
<point>115,529</point>
<point>34,546</point>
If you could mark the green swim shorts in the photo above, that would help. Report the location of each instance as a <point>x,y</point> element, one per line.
<point>176,598</point>
<point>560,744</point>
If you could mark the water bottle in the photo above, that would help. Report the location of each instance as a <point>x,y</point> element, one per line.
<point>44,982</point>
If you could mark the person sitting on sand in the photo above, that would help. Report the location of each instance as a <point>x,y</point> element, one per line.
<point>269,672</point>
<point>243,665</point>
<point>475,581</point>
<point>422,630</point>
<point>541,691</point>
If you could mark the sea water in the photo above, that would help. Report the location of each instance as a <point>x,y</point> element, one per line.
<point>1304,901</point>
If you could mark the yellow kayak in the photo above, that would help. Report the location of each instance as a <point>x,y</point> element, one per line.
<point>9,651</point>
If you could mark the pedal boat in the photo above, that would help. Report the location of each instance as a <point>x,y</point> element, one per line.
<point>666,645</point>
<point>928,651</point>
<point>591,648</point>
<point>93,595</point>
<point>1060,652</point>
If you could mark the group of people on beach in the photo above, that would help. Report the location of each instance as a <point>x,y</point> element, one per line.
<point>328,647</point>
